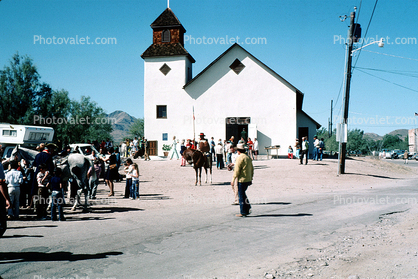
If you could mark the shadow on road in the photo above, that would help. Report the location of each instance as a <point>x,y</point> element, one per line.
<point>153,197</point>
<point>13,257</point>
<point>373,175</point>
<point>28,227</point>
<point>217,184</point>
<point>281,215</point>
<point>20,236</point>
<point>272,203</point>
<point>261,167</point>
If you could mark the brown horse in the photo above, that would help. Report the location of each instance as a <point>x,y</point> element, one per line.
<point>199,160</point>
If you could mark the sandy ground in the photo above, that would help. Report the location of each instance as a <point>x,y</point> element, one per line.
<point>380,245</point>
<point>387,248</point>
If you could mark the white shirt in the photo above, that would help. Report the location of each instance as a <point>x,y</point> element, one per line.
<point>255,145</point>
<point>234,157</point>
<point>14,178</point>
<point>134,172</point>
<point>218,149</point>
<point>304,145</point>
<point>128,171</point>
<point>316,143</point>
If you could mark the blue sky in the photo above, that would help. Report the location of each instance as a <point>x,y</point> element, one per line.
<point>303,41</point>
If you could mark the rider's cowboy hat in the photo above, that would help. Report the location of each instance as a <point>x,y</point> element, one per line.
<point>240,147</point>
<point>51,145</point>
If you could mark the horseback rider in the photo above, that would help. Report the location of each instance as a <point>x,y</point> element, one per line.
<point>203,144</point>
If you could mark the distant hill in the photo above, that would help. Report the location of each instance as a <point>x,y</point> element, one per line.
<point>402,132</point>
<point>373,136</point>
<point>121,127</point>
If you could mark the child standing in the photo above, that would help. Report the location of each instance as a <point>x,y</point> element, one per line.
<point>14,179</point>
<point>57,198</point>
<point>135,182</point>
<point>290,152</point>
<point>93,175</point>
<point>42,179</point>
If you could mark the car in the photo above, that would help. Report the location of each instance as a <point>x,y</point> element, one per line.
<point>86,149</point>
<point>397,154</point>
<point>83,148</point>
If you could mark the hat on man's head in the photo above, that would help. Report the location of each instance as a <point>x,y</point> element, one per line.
<point>240,147</point>
<point>201,135</point>
<point>51,145</point>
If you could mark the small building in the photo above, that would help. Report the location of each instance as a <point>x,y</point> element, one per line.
<point>413,141</point>
<point>235,95</point>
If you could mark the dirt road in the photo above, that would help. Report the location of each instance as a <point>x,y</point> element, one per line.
<point>306,222</point>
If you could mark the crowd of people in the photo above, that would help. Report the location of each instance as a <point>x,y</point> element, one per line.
<point>302,150</point>
<point>40,186</point>
<point>223,152</point>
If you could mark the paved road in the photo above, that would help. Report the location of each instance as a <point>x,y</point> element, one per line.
<point>411,163</point>
<point>187,240</point>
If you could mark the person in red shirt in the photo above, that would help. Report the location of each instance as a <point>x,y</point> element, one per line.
<point>250,145</point>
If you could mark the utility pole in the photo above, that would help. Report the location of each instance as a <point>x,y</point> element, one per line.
<point>330,123</point>
<point>343,145</point>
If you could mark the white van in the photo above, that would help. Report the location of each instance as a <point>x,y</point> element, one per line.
<point>24,135</point>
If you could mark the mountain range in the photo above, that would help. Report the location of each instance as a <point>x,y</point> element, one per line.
<point>122,123</point>
<point>403,133</point>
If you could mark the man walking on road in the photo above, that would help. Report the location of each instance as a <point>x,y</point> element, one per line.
<point>244,172</point>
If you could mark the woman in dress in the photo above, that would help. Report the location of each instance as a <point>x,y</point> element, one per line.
<point>112,170</point>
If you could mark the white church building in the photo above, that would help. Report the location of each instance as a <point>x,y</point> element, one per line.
<point>235,92</point>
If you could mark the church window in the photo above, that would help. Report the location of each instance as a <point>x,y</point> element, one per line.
<point>162,112</point>
<point>165,36</point>
<point>165,69</point>
<point>237,66</point>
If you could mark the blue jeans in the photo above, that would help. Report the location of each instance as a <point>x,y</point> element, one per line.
<point>14,194</point>
<point>315,154</point>
<point>57,201</point>
<point>93,187</point>
<point>135,189</point>
<point>128,187</point>
<point>244,203</point>
<point>220,161</point>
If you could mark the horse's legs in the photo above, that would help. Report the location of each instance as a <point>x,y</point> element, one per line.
<point>210,169</point>
<point>200,176</point>
<point>196,176</point>
<point>77,199</point>
<point>86,201</point>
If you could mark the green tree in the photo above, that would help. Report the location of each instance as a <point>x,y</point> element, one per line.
<point>87,121</point>
<point>137,128</point>
<point>330,142</point>
<point>20,91</point>
<point>356,141</point>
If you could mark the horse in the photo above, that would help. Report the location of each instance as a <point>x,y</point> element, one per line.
<point>199,160</point>
<point>74,166</point>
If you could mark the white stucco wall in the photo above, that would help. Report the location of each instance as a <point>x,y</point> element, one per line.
<point>160,89</point>
<point>257,92</point>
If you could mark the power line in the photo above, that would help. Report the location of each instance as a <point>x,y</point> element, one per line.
<point>388,81</point>
<point>413,59</point>
<point>413,74</point>
<point>365,35</point>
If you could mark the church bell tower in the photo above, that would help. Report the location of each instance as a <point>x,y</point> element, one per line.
<point>167,68</point>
